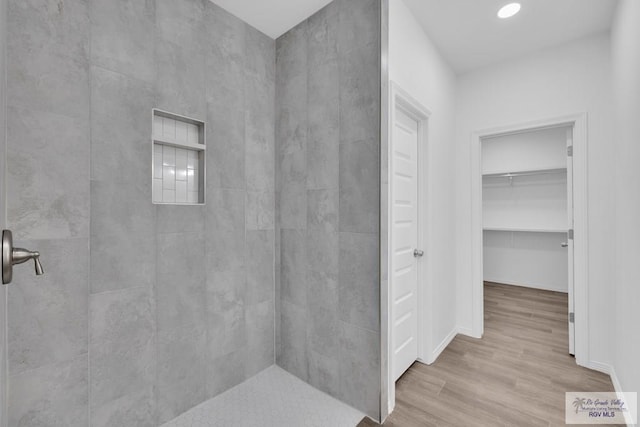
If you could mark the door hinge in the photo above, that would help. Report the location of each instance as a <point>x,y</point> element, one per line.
<point>572,317</point>
<point>570,234</point>
<point>570,151</point>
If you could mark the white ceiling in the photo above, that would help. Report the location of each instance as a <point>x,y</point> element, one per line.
<point>272,17</point>
<point>470,35</point>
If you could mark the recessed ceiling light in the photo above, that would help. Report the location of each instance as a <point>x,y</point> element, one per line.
<point>508,10</point>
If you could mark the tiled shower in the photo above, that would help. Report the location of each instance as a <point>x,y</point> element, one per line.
<point>162,292</point>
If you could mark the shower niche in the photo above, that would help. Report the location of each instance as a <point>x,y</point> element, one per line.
<point>178,167</point>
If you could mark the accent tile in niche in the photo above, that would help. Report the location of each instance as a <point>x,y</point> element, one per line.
<point>176,163</point>
<point>169,178</point>
<point>157,163</point>
<point>169,196</point>
<point>193,134</point>
<point>168,156</point>
<point>168,129</point>
<point>181,192</point>
<point>181,131</point>
<point>181,164</point>
<point>192,180</point>
<point>157,130</point>
<point>192,159</point>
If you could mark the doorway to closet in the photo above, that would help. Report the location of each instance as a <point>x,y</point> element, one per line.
<point>527,226</point>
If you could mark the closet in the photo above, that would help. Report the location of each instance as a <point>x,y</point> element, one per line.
<point>526,214</point>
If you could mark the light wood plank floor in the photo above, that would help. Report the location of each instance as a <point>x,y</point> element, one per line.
<point>516,375</point>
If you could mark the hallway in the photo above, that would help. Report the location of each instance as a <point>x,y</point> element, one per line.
<point>516,374</point>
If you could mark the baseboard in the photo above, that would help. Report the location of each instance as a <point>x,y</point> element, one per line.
<point>600,367</point>
<point>468,332</point>
<point>618,388</point>
<point>610,370</point>
<point>443,344</point>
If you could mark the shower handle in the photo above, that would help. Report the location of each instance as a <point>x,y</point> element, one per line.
<point>12,256</point>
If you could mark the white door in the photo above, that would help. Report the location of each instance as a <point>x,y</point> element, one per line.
<point>404,241</point>
<point>570,238</point>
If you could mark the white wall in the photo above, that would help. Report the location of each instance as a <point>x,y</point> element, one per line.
<point>567,79</point>
<point>532,260</point>
<point>536,203</point>
<point>626,78</point>
<point>417,67</point>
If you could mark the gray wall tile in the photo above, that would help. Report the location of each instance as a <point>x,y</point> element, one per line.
<point>54,396</point>
<point>259,89</point>
<point>359,289</point>
<point>260,210</point>
<point>181,366</point>
<point>225,141</point>
<point>227,331</point>
<point>225,61</point>
<point>322,210</point>
<point>327,182</point>
<point>324,373</point>
<point>260,353</point>
<point>294,267</point>
<point>49,66</point>
<point>259,246</point>
<point>322,161</point>
<point>225,53</point>
<point>120,127</point>
<point>359,359</point>
<point>179,88</point>
<point>291,90</point>
<point>323,330</point>
<point>180,285</point>
<point>225,371</point>
<point>123,37</point>
<point>359,187</point>
<point>207,274</point>
<point>134,409</point>
<point>293,206</point>
<point>46,198</point>
<point>293,351</point>
<point>123,241</point>
<point>181,22</point>
<point>123,344</point>
<point>293,177</point>
<point>226,288</point>
<point>359,70</point>
<point>180,219</point>
<point>323,251</point>
<point>323,99</point>
<point>48,314</point>
<point>3,134</point>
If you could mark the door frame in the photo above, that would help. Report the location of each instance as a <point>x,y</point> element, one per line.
<point>580,224</point>
<point>401,99</point>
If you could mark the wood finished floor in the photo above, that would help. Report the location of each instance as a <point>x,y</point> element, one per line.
<point>516,375</point>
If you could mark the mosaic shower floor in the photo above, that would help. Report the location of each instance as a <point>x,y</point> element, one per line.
<point>272,398</point>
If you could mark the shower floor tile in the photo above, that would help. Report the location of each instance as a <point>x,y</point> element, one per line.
<point>272,398</point>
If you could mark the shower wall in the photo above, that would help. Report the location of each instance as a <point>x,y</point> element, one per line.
<point>328,182</point>
<point>3,132</point>
<point>144,310</point>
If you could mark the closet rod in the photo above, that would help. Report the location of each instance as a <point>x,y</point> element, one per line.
<point>525,173</point>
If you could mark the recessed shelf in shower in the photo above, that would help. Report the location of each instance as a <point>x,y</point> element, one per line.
<point>178,167</point>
